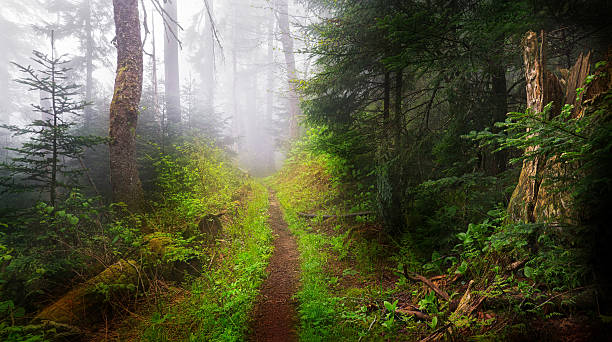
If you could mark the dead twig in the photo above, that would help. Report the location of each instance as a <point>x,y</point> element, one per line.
<point>427,282</point>
<point>362,213</point>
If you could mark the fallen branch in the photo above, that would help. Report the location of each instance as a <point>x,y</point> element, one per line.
<point>362,213</point>
<point>417,314</point>
<point>515,265</point>
<point>468,303</point>
<point>427,282</point>
<point>438,334</point>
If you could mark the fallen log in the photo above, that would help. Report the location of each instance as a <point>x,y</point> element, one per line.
<point>362,213</point>
<point>427,282</point>
<point>78,307</point>
<point>84,304</point>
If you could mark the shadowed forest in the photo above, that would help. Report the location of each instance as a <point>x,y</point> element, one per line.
<point>305,170</point>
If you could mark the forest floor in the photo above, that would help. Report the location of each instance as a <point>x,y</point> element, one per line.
<point>275,316</point>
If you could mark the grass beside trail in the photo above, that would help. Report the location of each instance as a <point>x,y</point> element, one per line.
<point>351,287</point>
<point>218,304</point>
<point>317,306</point>
<point>340,298</point>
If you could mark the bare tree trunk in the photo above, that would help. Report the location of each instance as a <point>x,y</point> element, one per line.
<point>209,66</point>
<point>88,65</point>
<point>530,202</point>
<point>497,162</point>
<point>269,153</point>
<point>124,107</point>
<point>386,99</point>
<point>154,74</point>
<point>287,41</point>
<point>399,80</point>
<point>171,65</point>
<point>54,160</point>
<point>236,118</point>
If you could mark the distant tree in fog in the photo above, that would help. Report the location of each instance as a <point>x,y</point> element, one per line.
<point>171,65</point>
<point>42,162</point>
<point>87,21</point>
<point>282,15</point>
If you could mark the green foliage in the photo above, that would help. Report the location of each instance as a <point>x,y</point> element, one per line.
<point>328,309</point>
<point>577,152</point>
<point>42,163</point>
<point>196,180</point>
<point>49,244</point>
<point>390,317</point>
<point>221,299</point>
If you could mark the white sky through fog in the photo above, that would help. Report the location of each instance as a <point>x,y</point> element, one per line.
<point>186,10</point>
<point>31,13</point>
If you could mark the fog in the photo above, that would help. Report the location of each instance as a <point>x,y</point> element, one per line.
<point>235,79</point>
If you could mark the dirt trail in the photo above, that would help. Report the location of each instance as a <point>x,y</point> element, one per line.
<point>275,318</point>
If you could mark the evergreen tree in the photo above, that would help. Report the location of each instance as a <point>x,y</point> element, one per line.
<point>43,162</point>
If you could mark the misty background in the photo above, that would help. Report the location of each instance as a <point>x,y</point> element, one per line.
<point>223,70</point>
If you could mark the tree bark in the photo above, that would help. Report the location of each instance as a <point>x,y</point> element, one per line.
<point>287,42</point>
<point>268,159</point>
<point>154,73</point>
<point>499,102</point>
<point>124,106</point>
<point>209,65</point>
<point>399,80</point>
<point>88,64</point>
<point>171,67</point>
<point>530,202</point>
<point>386,98</point>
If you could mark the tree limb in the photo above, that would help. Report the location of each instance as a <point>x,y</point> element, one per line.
<point>427,282</point>
<point>361,213</point>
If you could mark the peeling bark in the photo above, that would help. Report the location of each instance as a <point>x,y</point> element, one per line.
<point>530,201</point>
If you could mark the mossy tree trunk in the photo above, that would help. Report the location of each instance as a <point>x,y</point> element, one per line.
<point>124,107</point>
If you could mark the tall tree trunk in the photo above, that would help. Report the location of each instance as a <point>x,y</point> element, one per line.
<point>287,41</point>
<point>269,156</point>
<point>124,106</point>
<point>154,74</point>
<point>88,64</point>
<point>388,182</point>
<point>54,159</point>
<point>209,66</point>
<point>171,66</point>
<point>499,102</point>
<point>398,115</point>
<point>236,117</point>
<point>386,99</point>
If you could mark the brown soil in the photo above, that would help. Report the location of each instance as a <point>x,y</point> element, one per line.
<point>275,317</point>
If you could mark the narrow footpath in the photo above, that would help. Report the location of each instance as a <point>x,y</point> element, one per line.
<point>275,317</point>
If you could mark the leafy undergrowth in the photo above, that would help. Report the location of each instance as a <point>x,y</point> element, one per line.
<point>215,305</point>
<point>359,283</point>
<point>198,255</point>
<point>347,287</point>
